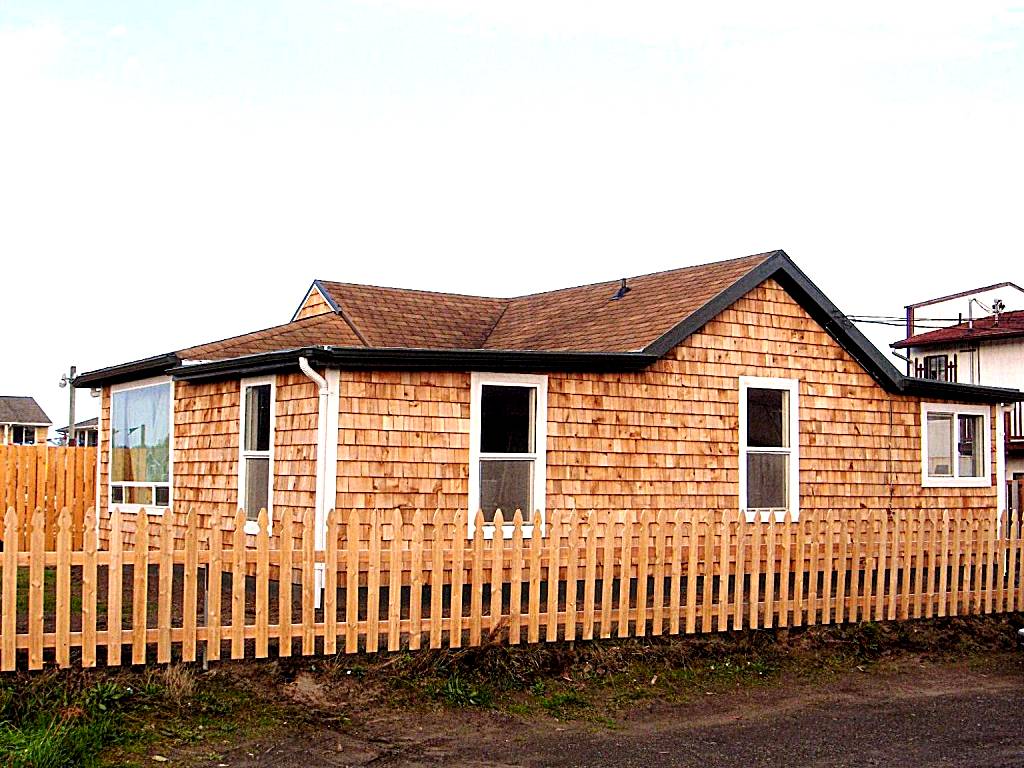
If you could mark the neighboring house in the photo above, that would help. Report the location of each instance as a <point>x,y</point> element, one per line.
<point>22,421</point>
<point>733,386</point>
<point>87,433</point>
<point>985,350</point>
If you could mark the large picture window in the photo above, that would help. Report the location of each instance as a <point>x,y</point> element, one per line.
<point>508,419</point>
<point>140,445</point>
<point>954,450</point>
<point>256,459</point>
<point>769,447</point>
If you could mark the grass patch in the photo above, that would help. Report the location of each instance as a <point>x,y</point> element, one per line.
<point>564,704</point>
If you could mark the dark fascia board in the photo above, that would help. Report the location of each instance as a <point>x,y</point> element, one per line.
<point>138,369</point>
<point>949,390</point>
<point>361,358</point>
<point>317,285</point>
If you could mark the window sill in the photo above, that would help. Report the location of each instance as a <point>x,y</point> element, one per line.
<point>956,482</point>
<point>765,515</point>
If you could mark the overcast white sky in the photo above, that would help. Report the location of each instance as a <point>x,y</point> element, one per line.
<point>178,172</point>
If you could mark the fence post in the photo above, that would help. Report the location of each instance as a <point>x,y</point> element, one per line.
<point>62,604</point>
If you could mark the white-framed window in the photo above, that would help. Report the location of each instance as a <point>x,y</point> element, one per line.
<point>256,449</point>
<point>141,457</point>
<point>769,460</point>
<point>22,434</point>
<point>955,443</point>
<point>507,448</point>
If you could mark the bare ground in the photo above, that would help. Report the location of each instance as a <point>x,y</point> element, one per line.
<point>905,712</point>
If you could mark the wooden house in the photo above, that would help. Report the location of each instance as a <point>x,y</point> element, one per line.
<point>22,421</point>
<point>734,386</point>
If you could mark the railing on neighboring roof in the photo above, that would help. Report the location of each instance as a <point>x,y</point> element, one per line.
<point>940,373</point>
<point>1015,424</point>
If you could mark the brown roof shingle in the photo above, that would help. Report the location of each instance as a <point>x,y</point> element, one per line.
<point>16,409</point>
<point>581,319</point>
<point>330,329</point>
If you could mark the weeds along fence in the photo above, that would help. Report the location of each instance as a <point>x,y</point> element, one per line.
<point>390,585</point>
<point>50,478</point>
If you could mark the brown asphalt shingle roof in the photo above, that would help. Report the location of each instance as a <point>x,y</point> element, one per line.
<point>579,319</point>
<point>21,410</point>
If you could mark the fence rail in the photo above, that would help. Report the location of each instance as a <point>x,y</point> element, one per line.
<point>50,478</point>
<point>389,584</point>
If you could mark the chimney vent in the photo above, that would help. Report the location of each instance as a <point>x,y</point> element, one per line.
<point>622,291</point>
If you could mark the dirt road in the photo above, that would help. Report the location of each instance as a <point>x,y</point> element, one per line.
<point>916,715</point>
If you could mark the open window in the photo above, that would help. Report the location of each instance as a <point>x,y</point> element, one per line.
<point>954,446</point>
<point>769,455</point>
<point>508,435</point>
<point>140,445</point>
<point>256,450</point>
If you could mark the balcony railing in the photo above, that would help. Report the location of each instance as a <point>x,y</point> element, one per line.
<point>938,373</point>
<point>1015,424</point>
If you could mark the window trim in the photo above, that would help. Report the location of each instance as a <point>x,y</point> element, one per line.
<point>251,526</point>
<point>152,509</point>
<point>955,481</point>
<point>539,382</point>
<point>792,386</point>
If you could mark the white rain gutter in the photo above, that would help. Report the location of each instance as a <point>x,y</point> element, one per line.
<point>320,506</point>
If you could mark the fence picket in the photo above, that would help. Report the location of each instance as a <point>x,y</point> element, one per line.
<point>738,585</point>
<point>725,529</point>
<point>214,583</point>
<point>533,604</point>
<point>769,576</point>
<point>675,596</point>
<point>625,573</point>
<point>554,550</point>
<point>437,579</point>
<point>571,578</point>
<point>516,580</point>
<point>373,584</point>
<point>352,536</point>
<point>954,587</point>
<point>658,607</point>
<point>918,586</point>
<point>755,570</point>
<point>330,583</point>
<point>395,584</point>
<point>416,581</point>
<point>140,587</point>
<point>458,546</point>
<point>642,572</point>
<point>285,586</point>
<point>308,582</point>
<point>785,568</point>
<point>799,568</point>
<point>166,573</point>
<point>237,631</point>
<point>497,550</point>
<point>707,527</point>
<point>842,571</point>
<point>62,604</point>
<point>189,591</point>
<point>262,584</point>
<point>115,574</point>
<point>476,610</point>
<point>589,576</point>
<point>9,604</point>
<point>88,545</point>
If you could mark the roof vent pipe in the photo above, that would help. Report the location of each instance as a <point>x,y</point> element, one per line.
<point>623,290</point>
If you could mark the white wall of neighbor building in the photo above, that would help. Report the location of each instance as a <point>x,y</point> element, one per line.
<point>994,363</point>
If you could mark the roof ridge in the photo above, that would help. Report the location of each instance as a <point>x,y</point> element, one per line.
<point>764,256</point>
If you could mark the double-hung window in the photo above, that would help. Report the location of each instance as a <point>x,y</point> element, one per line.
<point>508,435</point>
<point>954,446</point>
<point>140,445</point>
<point>769,460</point>
<point>256,454</point>
<point>936,367</point>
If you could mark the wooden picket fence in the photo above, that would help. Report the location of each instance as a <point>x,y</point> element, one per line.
<point>50,478</point>
<point>392,583</point>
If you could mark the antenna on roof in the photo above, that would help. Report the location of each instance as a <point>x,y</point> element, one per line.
<point>622,291</point>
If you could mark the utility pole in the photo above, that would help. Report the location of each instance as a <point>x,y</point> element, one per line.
<point>66,381</point>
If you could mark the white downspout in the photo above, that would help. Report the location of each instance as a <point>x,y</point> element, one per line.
<point>319,505</point>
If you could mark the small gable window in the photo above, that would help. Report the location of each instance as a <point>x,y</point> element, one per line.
<point>954,446</point>
<point>508,419</point>
<point>769,447</point>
